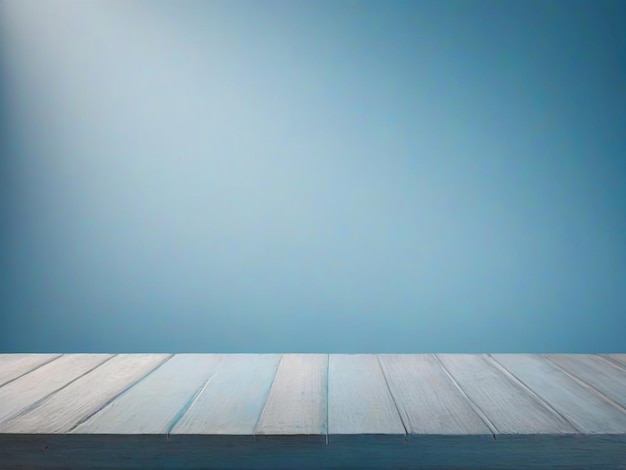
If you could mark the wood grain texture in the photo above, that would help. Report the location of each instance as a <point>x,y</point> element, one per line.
<point>606,378</point>
<point>619,359</point>
<point>232,401</point>
<point>13,366</point>
<point>308,411</point>
<point>297,400</point>
<point>510,408</point>
<point>25,391</point>
<point>154,403</point>
<point>588,412</point>
<point>359,401</point>
<point>84,397</point>
<point>428,400</point>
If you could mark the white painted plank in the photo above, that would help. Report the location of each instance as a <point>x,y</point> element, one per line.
<point>16,396</point>
<point>78,401</point>
<point>588,412</point>
<point>620,359</point>
<point>510,408</point>
<point>297,399</point>
<point>359,401</point>
<point>232,401</point>
<point>607,378</point>
<point>151,406</point>
<point>15,365</point>
<point>428,400</point>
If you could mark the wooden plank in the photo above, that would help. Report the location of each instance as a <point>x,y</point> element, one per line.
<point>606,378</point>
<point>429,402</point>
<point>619,359</point>
<point>232,401</point>
<point>584,409</point>
<point>359,401</point>
<point>475,387</point>
<point>13,366</point>
<point>19,394</point>
<point>151,406</point>
<point>78,401</point>
<point>509,407</point>
<point>297,399</point>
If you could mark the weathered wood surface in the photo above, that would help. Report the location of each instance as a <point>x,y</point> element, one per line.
<point>296,404</point>
<point>236,411</point>
<point>359,400</point>
<point>232,400</point>
<point>428,401</point>
<point>13,366</point>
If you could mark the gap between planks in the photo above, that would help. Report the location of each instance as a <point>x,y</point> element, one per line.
<point>393,398</point>
<point>586,384</point>
<point>520,383</point>
<point>269,390</point>
<point>29,370</point>
<point>188,405</point>
<point>38,402</point>
<point>475,407</point>
<point>111,400</point>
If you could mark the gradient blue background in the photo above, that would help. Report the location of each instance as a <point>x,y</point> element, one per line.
<point>313,176</point>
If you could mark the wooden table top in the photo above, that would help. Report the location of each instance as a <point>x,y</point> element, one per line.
<point>130,410</point>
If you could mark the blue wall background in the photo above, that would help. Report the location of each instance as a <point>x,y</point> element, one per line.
<point>332,176</point>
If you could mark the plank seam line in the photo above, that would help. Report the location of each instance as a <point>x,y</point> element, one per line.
<point>382,371</point>
<point>39,402</point>
<point>108,402</point>
<point>189,403</point>
<point>586,385</point>
<point>474,406</point>
<point>54,358</point>
<point>618,365</point>
<point>269,391</point>
<point>327,394</point>
<point>515,380</point>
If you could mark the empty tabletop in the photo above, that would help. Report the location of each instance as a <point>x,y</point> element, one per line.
<point>271,411</point>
